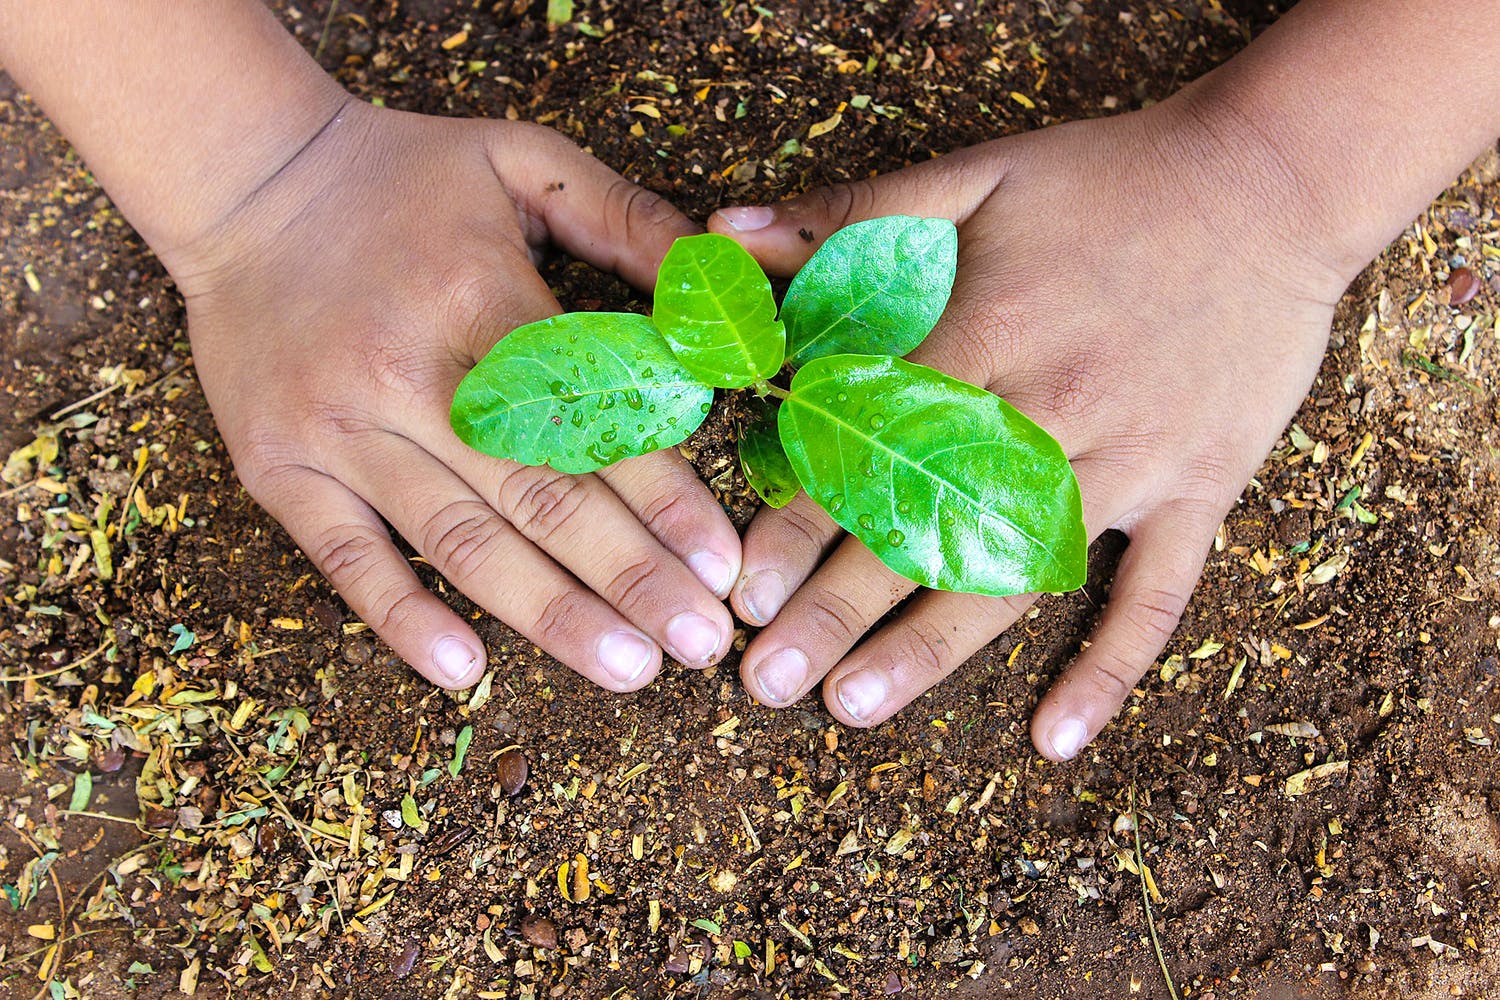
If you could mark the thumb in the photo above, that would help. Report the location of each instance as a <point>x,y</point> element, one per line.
<point>783,236</point>
<point>589,210</point>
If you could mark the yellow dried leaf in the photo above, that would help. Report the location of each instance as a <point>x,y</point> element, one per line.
<point>1023,100</point>
<point>580,879</point>
<point>1316,777</point>
<point>454,40</point>
<point>825,126</point>
<point>649,110</point>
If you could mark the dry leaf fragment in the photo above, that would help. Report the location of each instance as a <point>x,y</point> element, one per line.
<point>1329,568</point>
<point>1316,777</point>
<point>826,125</point>
<point>1298,730</point>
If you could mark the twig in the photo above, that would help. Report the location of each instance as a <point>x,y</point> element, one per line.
<point>42,675</point>
<point>93,815</point>
<point>1140,864</point>
<point>327,23</point>
<point>58,414</point>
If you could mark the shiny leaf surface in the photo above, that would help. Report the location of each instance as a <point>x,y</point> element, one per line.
<point>948,484</point>
<point>876,287</point>
<point>763,459</point>
<point>714,306</point>
<point>578,392</point>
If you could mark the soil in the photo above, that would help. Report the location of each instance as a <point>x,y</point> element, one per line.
<point>252,749</point>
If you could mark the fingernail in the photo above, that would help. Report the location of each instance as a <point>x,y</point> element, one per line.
<point>862,693</point>
<point>454,659</point>
<point>694,639</point>
<point>782,674</point>
<point>713,569</point>
<point>763,595</point>
<point>624,654</point>
<point>747,220</point>
<point>1068,737</point>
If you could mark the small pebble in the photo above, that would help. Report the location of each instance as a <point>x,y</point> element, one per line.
<point>512,769</point>
<point>406,960</point>
<point>539,931</point>
<point>1462,286</point>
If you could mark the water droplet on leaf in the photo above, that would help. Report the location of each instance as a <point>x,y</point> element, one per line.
<point>877,421</point>
<point>867,522</point>
<point>895,536</point>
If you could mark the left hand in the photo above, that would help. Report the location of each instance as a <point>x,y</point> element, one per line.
<point>1129,284</point>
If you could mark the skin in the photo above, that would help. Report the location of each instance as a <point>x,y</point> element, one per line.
<point>1156,290</point>
<point>343,267</point>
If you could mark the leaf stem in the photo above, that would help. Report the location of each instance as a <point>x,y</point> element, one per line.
<point>763,389</point>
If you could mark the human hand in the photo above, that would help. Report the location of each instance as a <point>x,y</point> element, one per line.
<point>1130,285</point>
<point>331,316</point>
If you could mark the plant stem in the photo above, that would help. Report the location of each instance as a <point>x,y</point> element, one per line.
<point>763,389</point>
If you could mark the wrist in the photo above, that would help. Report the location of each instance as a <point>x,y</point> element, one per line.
<point>1249,174</point>
<point>180,110</point>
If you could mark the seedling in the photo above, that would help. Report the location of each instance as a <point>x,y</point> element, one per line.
<point>946,483</point>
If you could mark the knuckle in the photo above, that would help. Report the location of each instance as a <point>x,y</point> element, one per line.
<point>834,615</point>
<point>396,612</point>
<point>628,585</point>
<point>1113,674</point>
<point>564,615</point>
<point>540,501</point>
<point>633,207</point>
<point>1069,387</point>
<point>1152,618</point>
<point>346,554</point>
<point>843,203</point>
<point>460,538</point>
<point>801,531</point>
<point>664,512</point>
<point>925,648</point>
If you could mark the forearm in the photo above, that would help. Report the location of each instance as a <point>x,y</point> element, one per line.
<point>181,109</point>
<point>1351,125</point>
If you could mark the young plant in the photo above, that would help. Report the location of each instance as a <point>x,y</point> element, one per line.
<point>945,482</point>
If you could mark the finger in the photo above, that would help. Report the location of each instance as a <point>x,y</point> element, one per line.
<point>824,618</point>
<point>940,631</point>
<point>781,549</point>
<point>665,494</point>
<point>1155,578</point>
<point>347,543</point>
<point>784,235</point>
<point>589,210</point>
<point>583,525</point>
<point>926,643</point>
<point>488,559</point>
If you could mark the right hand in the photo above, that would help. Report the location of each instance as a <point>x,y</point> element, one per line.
<point>333,312</point>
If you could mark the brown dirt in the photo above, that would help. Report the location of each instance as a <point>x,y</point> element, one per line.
<point>935,853</point>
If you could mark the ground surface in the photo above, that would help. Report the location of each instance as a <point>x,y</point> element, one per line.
<point>179,650</point>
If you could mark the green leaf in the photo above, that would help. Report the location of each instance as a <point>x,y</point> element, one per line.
<point>460,748</point>
<point>704,924</point>
<point>876,287</point>
<point>83,791</point>
<point>764,460</point>
<point>714,305</point>
<point>409,814</point>
<point>578,392</point>
<point>185,638</point>
<point>559,11</point>
<point>948,484</point>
